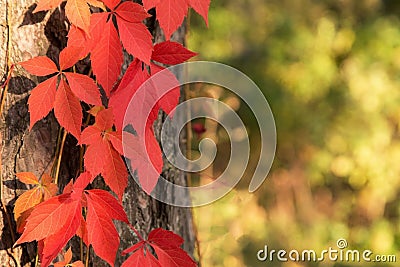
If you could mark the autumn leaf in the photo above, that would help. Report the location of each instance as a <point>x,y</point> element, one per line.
<point>166,244</point>
<point>131,12</point>
<point>84,88</point>
<point>47,4</point>
<point>27,178</point>
<point>201,7</point>
<point>49,217</point>
<point>67,109</point>
<point>102,208</point>
<point>136,39</point>
<point>107,56</point>
<point>66,105</point>
<point>77,11</point>
<point>170,14</point>
<point>39,66</point>
<point>101,156</point>
<point>130,82</point>
<point>67,261</point>
<point>43,190</point>
<point>145,157</point>
<point>171,53</point>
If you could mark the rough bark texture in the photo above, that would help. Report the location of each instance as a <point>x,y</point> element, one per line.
<point>24,35</point>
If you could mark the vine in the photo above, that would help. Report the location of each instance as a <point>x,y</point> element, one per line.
<point>51,219</point>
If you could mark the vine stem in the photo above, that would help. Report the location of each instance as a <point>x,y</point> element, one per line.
<point>136,232</point>
<point>59,156</point>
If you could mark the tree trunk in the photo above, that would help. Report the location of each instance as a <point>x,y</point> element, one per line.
<point>24,35</point>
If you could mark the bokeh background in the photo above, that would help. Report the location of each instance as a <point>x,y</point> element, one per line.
<point>330,70</point>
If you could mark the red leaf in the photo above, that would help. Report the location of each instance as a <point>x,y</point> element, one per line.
<point>173,257</point>
<point>111,4</point>
<point>136,39</point>
<point>116,141</point>
<point>49,217</point>
<point>108,204</point>
<point>165,238</point>
<point>114,171</point>
<point>167,247</point>
<point>105,119</point>
<point>97,25</point>
<point>165,81</point>
<point>67,110</point>
<point>39,66</point>
<point>107,57</point>
<point>47,4</point>
<point>78,13</point>
<point>81,182</point>
<point>84,88</point>
<point>201,7</point>
<point>77,38</point>
<point>131,81</point>
<point>170,14</point>
<point>171,53</point>
<point>54,243</point>
<point>27,178</point>
<point>102,234</point>
<point>69,56</point>
<point>139,259</point>
<point>148,4</point>
<point>94,157</point>
<point>91,136</point>
<point>131,12</point>
<point>41,100</point>
<point>146,157</point>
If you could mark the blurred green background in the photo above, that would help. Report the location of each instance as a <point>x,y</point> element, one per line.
<point>331,73</point>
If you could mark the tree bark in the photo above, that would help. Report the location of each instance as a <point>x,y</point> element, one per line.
<point>24,35</point>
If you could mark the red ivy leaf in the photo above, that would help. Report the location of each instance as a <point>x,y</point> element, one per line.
<point>146,159</point>
<point>131,12</point>
<point>114,171</point>
<point>39,66</point>
<point>201,7</point>
<point>165,238</point>
<point>170,14</point>
<point>49,217</point>
<point>47,4</point>
<point>84,88</point>
<point>67,109</point>
<point>111,4</point>
<point>78,13</point>
<point>77,38</point>
<point>130,82</point>
<point>136,39</point>
<point>107,56</point>
<point>69,56</point>
<point>54,243</point>
<point>166,244</point>
<point>165,81</point>
<point>171,53</point>
<point>41,100</point>
<point>102,234</point>
<point>139,259</point>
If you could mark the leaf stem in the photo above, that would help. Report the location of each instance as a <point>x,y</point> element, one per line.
<point>136,232</point>
<point>59,157</point>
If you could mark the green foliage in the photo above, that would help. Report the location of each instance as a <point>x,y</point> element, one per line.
<point>331,73</point>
